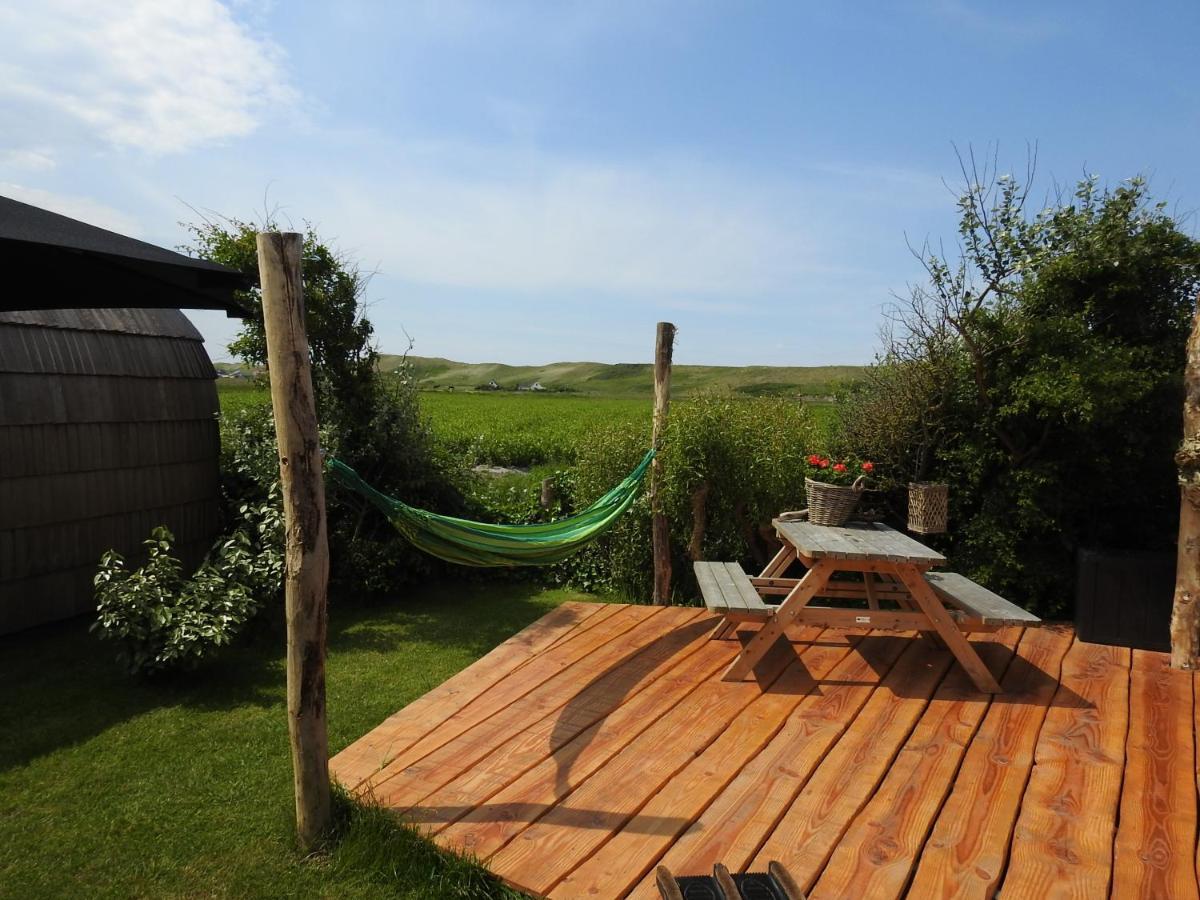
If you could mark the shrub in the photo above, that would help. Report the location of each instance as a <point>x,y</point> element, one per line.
<point>1040,376</point>
<point>730,464</point>
<point>162,620</point>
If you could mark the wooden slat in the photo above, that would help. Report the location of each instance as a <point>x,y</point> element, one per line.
<point>355,763</point>
<point>554,845</point>
<point>743,815</point>
<point>810,830</point>
<point>968,847</point>
<point>465,737</point>
<point>1063,842</point>
<point>741,582</point>
<point>552,714</point>
<point>1156,838</point>
<point>620,863</point>
<point>490,825</point>
<point>859,541</point>
<point>725,579</point>
<point>877,854</point>
<point>978,601</point>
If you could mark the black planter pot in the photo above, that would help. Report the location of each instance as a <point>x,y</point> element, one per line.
<point>1124,599</point>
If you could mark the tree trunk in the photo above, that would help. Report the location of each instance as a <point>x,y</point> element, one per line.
<point>307,549</point>
<point>664,346</point>
<point>1185,615</point>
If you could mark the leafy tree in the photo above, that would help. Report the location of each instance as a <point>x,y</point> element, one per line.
<point>1039,373</point>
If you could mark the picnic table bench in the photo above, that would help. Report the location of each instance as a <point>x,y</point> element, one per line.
<point>887,566</point>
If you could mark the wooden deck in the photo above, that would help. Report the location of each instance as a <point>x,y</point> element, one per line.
<point>600,741</point>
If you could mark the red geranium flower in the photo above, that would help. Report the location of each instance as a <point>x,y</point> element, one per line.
<point>868,467</point>
<point>839,467</point>
<point>814,460</point>
<point>823,463</point>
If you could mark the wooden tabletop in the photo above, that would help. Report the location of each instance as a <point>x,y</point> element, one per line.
<point>856,540</point>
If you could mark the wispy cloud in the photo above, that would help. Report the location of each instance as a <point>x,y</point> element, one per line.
<point>159,75</point>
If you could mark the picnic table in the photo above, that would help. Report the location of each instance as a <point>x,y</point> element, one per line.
<point>885,566</point>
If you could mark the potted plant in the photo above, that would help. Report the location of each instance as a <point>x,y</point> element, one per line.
<point>834,488</point>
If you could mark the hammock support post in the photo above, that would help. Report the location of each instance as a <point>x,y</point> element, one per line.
<point>307,548</point>
<point>664,346</point>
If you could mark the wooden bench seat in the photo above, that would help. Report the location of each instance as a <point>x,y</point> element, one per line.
<point>727,589</point>
<point>977,601</point>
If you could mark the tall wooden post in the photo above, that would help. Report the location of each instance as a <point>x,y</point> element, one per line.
<point>663,347</point>
<point>1185,615</point>
<point>307,548</point>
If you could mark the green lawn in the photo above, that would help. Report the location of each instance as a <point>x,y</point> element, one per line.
<point>116,787</point>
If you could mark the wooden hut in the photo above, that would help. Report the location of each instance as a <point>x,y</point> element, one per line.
<point>107,413</point>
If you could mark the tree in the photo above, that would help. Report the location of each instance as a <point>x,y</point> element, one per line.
<point>340,336</point>
<point>1039,374</point>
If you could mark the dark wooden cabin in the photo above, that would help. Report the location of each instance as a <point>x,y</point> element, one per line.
<point>107,413</point>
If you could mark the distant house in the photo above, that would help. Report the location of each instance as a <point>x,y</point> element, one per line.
<point>536,386</point>
<point>490,386</point>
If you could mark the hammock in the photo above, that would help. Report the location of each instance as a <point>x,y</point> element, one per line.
<point>481,544</point>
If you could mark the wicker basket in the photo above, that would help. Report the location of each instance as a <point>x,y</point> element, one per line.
<point>928,506</point>
<point>831,504</point>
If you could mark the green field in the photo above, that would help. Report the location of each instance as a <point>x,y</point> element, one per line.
<point>513,429</point>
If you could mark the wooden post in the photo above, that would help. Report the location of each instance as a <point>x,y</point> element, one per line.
<point>663,348</point>
<point>1185,614</point>
<point>307,548</point>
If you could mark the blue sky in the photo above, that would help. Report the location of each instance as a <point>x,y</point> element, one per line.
<point>544,181</point>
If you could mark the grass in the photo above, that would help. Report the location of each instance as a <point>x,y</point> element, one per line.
<point>115,787</point>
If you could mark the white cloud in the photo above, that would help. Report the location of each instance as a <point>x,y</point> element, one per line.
<point>84,209</point>
<point>29,159</point>
<point>159,75</point>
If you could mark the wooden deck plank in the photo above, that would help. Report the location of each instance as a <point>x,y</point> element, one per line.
<point>1156,838</point>
<point>877,854</point>
<point>355,763</point>
<point>737,823</point>
<point>1063,841</point>
<point>811,828</point>
<point>558,658</point>
<point>571,831</point>
<point>590,688</point>
<point>491,824</point>
<point>685,795</point>
<point>968,847</point>
<point>460,779</point>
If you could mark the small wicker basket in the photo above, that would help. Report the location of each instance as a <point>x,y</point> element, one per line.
<point>928,507</point>
<point>832,504</point>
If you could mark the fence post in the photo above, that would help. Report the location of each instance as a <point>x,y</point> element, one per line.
<point>663,348</point>
<point>1185,612</point>
<point>307,549</point>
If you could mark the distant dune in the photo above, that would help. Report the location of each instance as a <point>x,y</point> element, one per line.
<point>628,379</point>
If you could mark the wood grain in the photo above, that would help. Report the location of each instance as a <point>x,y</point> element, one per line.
<point>1156,838</point>
<point>1063,840</point>
<point>879,851</point>
<point>687,793</point>
<point>354,764</point>
<point>968,847</point>
<point>572,830</point>
<point>810,830</point>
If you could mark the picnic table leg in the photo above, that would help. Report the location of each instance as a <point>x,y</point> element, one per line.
<point>947,630</point>
<point>776,627</point>
<point>779,562</point>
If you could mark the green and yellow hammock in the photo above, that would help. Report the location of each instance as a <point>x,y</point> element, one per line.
<point>481,544</point>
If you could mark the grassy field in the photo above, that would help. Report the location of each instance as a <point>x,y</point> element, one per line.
<point>115,787</point>
<point>630,379</point>
<point>511,429</point>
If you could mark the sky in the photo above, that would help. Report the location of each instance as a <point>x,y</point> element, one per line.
<point>542,181</point>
